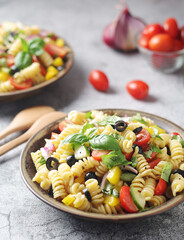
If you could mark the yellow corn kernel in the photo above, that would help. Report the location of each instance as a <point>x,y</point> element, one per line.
<point>58,62</point>
<point>68,200</point>
<point>114,175</point>
<point>60,42</point>
<point>51,72</point>
<point>111,200</point>
<point>4,76</point>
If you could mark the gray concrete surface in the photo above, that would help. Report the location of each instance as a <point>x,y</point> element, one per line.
<point>22,215</point>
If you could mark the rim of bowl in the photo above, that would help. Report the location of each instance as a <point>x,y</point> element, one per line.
<point>68,66</point>
<point>88,215</point>
<point>145,50</point>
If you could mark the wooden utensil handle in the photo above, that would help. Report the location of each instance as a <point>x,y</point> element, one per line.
<point>8,131</point>
<point>14,143</point>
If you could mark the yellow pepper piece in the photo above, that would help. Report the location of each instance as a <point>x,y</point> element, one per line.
<point>68,200</point>
<point>60,42</point>
<point>58,62</point>
<point>150,130</point>
<point>4,76</point>
<point>114,175</point>
<point>160,130</point>
<point>51,72</point>
<point>111,200</point>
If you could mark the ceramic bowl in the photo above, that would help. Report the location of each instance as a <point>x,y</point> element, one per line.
<point>28,171</point>
<point>19,94</point>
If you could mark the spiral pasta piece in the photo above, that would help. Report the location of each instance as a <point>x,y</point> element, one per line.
<point>138,183</point>
<point>149,188</point>
<point>57,184</point>
<point>95,192</point>
<point>66,174</point>
<point>134,125</point>
<point>129,135</point>
<point>81,202</point>
<point>15,47</point>
<point>107,209</point>
<point>101,169</point>
<point>177,183</point>
<point>77,117</point>
<point>36,157</point>
<point>97,115</point>
<point>161,143</point>
<point>76,188</point>
<point>126,145</point>
<point>63,152</point>
<point>6,87</point>
<point>181,166</point>
<point>176,151</point>
<point>46,59</point>
<point>163,155</point>
<point>157,200</point>
<point>41,177</point>
<point>143,167</point>
<point>157,170</point>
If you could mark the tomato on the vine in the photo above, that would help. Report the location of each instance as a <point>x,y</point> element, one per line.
<point>138,89</point>
<point>99,80</point>
<point>151,30</point>
<point>162,42</point>
<point>171,27</point>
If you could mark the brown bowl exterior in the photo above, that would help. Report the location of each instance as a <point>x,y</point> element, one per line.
<point>19,94</point>
<point>28,171</point>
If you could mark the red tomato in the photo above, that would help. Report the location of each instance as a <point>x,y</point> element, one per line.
<point>171,27</point>
<point>161,43</point>
<point>161,187</point>
<point>137,89</point>
<point>10,60</point>
<point>43,71</point>
<point>154,163</point>
<point>175,133</point>
<point>153,155</point>
<point>54,135</point>
<point>55,50</point>
<point>177,45</point>
<point>62,126</point>
<point>126,200</point>
<point>97,154</point>
<point>128,156</point>
<point>99,80</point>
<point>182,34</point>
<point>142,137</point>
<point>151,30</point>
<point>23,85</point>
<point>144,42</point>
<point>145,146</point>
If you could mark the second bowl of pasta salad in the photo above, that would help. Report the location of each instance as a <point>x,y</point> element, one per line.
<point>107,165</point>
<point>30,58</point>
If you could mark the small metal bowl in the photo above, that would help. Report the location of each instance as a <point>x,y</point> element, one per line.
<point>167,62</point>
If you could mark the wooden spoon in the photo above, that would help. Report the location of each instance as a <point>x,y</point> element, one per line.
<point>24,119</point>
<point>39,124</point>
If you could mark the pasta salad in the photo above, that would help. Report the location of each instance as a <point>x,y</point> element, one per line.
<point>29,56</point>
<point>109,164</point>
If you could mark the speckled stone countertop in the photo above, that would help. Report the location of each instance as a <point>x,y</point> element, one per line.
<point>22,215</point>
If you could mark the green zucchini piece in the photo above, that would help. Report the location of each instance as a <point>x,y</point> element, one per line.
<point>81,152</point>
<point>138,199</point>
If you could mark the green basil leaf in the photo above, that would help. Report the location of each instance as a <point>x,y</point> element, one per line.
<point>155,149</point>
<point>25,47</point>
<point>109,120</point>
<point>147,154</point>
<point>88,115</point>
<point>177,137</point>
<point>87,126</point>
<point>23,60</point>
<point>114,158</point>
<point>76,138</point>
<point>91,134</point>
<point>104,142</point>
<point>166,172</point>
<point>116,136</point>
<point>134,161</point>
<point>42,161</point>
<point>138,118</point>
<point>36,46</point>
<point>115,193</point>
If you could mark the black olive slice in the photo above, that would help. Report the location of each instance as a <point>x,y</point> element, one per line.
<point>140,148</point>
<point>13,70</point>
<point>87,194</point>
<point>71,160</point>
<point>90,175</point>
<point>168,151</point>
<point>179,171</point>
<point>51,166</point>
<point>50,191</point>
<point>120,126</point>
<point>137,130</point>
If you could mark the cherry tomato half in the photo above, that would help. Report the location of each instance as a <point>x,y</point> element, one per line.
<point>151,30</point>
<point>126,200</point>
<point>171,27</point>
<point>144,42</point>
<point>161,187</point>
<point>138,89</point>
<point>54,135</point>
<point>99,80</point>
<point>62,126</point>
<point>154,163</point>
<point>54,50</point>
<point>153,155</point>
<point>142,137</point>
<point>128,156</point>
<point>161,43</point>
<point>23,85</point>
<point>175,133</point>
<point>97,154</point>
<point>145,147</point>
